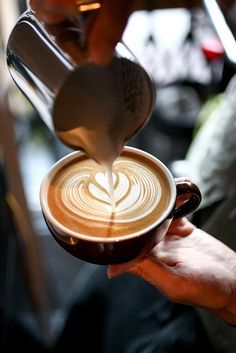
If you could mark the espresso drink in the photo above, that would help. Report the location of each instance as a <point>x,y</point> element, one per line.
<point>79,197</point>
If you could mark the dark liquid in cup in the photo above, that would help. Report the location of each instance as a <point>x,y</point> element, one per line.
<point>78,196</point>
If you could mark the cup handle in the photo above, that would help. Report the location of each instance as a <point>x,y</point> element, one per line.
<point>193,198</point>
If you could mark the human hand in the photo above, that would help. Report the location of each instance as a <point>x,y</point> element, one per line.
<point>104,28</point>
<point>190,267</point>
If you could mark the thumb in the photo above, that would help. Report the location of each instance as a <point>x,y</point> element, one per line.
<point>165,278</point>
<point>160,275</point>
<point>116,270</point>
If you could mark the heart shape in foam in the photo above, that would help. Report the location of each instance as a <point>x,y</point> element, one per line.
<point>101,190</point>
<point>102,180</point>
<point>102,193</point>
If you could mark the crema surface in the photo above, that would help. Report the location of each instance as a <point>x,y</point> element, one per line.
<point>79,199</point>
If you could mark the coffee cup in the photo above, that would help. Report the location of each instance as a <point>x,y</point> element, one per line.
<point>75,202</point>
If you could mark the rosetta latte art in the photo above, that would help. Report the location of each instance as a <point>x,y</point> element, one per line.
<point>86,192</point>
<point>79,199</point>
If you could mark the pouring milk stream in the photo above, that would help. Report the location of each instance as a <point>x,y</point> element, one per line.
<point>90,107</point>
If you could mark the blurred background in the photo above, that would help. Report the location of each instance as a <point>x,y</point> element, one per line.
<point>39,282</point>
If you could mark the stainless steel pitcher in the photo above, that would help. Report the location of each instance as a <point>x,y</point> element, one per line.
<point>92,107</point>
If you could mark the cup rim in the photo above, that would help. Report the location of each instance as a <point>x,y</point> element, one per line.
<point>68,232</point>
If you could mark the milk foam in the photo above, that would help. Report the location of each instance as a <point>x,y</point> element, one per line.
<point>137,192</point>
<point>79,196</point>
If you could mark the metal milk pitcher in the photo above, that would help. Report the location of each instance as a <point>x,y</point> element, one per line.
<point>92,107</point>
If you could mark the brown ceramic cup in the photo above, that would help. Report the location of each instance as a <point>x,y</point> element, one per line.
<point>118,249</point>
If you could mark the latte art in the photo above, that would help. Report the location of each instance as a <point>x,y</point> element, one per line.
<point>79,196</point>
<point>87,193</point>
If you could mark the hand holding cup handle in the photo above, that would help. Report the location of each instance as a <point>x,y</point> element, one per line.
<point>180,197</point>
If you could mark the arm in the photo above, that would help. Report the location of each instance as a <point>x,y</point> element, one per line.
<point>190,267</point>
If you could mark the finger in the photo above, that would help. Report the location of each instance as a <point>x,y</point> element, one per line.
<point>146,268</point>
<point>161,276</point>
<point>53,11</point>
<point>181,179</point>
<point>108,28</point>
<point>181,227</point>
<point>55,5</point>
<point>116,270</point>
